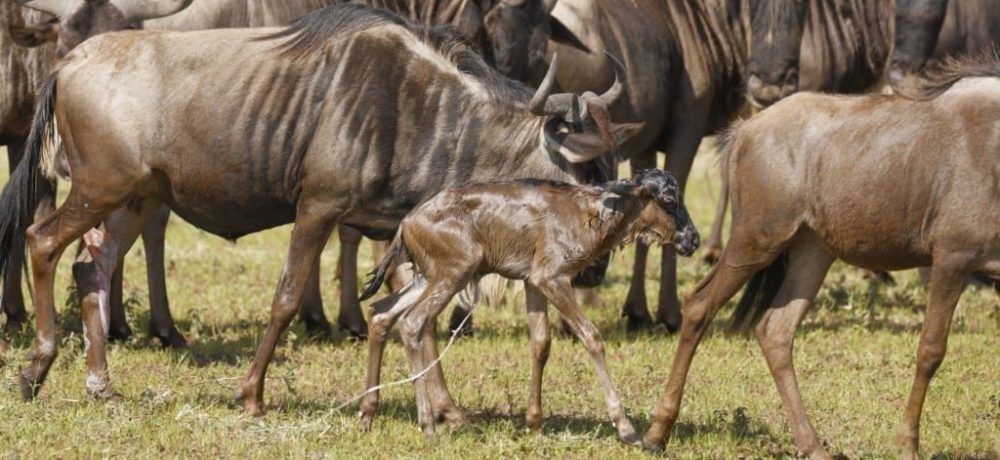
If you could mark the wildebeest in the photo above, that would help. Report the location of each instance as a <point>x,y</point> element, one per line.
<point>833,46</point>
<point>929,30</point>
<point>803,175</point>
<point>686,66</point>
<point>543,232</point>
<point>513,34</point>
<point>263,129</point>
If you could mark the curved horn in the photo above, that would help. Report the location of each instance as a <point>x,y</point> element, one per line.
<point>58,8</point>
<point>617,88</point>
<point>140,10</point>
<point>544,103</point>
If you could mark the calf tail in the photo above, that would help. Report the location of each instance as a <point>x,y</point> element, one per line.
<point>758,295</point>
<point>19,198</point>
<point>377,277</point>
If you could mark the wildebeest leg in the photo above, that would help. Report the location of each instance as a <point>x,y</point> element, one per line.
<point>350,318</point>
<point>680,157</point>
<point>808,263</point>
<point>118,328</point>
<point>560,293</point>
<point>11,297</point>
<point>541,341</point>
<point>385,312</point>
<point>311,313</point>
<point>724,281</point>
<point>106,248</point>
<point>313,224</point>
<point>948,280</point>
<point>636,310</point>
<point>712,249</point>
<point>442,403</point>
<point>47,239</point>
<point>161,322</point>
<point>413,330</point>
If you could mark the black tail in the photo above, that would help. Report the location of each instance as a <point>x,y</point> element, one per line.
<point>19,198</point>
<point>377,277</point>
<point>758,295</point>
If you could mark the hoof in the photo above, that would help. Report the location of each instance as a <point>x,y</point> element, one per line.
<point>121,333</point>
<point>169,337</point>
<point>249,406</point>
<point>637,323</point>
<point>319,328</point>
<point>366,422</point>
<point>651,446</point>
<point>454,419</point>
<point>355,331</point>
<point>672,325</point>
<point>455,323</point>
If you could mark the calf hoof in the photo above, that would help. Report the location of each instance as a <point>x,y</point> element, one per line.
<point>533,422</point>
<point>653,446</point>
<point>355,330</point>
<point>455,419</point>
<point>119,333</point>
<point>366,421</point>
<point>168,337</point>
<point>627,434</point>
<point>711,253</point>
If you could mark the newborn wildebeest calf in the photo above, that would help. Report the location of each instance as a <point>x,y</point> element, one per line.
<point>542,232</point>
<point>882,182</point>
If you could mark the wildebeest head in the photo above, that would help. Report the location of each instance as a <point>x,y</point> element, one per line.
<point>776,39</point>
<point>665,194</point>
<point>519,32</point>
<point>78,20</point>
<point>579,127</point>
<point>918,24</point>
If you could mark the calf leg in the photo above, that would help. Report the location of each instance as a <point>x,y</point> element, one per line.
<point>541,341</point>
<point>947,281</point>
<point>350,317</point>
<point>636,310</point>
<point>560,293</point>
<point>385,312</point>
<point>313,224</point>
<point>807,266</point>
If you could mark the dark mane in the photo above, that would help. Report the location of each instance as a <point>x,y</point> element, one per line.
<point>941,76</point>
<point>310,34</point>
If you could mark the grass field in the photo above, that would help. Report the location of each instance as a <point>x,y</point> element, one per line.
<point>855,369</point>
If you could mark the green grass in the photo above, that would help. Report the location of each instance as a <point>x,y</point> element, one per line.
<point>854,368</point>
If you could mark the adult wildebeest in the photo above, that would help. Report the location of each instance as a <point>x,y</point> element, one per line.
<point>513,34</point>
<point>264,128</point>
<point>803,173</point>
<point>928,30</point>
<point>832,46</point>
<point>686,63</point>
<point>542,232</point>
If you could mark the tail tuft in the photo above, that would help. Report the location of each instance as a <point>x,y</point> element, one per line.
<point>758,295</point>
<point>377,277</point>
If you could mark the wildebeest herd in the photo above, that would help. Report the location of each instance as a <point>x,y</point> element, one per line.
<point>418,122</point>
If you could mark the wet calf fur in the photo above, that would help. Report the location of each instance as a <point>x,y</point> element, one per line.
<point>542,232</point>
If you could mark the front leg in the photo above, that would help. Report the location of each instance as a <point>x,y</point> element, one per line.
<point>541,341</point>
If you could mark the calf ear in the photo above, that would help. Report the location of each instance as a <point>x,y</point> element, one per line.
<point>30,37</point>
<point>561,34</point>
<point>624,131</point>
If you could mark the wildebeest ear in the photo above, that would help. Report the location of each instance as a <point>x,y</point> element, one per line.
<point>561,34</point>
<point>30,37</point>
<point>581,147</point>
<point>624,131</point>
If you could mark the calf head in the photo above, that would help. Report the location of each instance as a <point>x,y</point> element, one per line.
<point>78,20</point>
<point>665,218</point>
<point>776,40</point>
<point>579,128</point>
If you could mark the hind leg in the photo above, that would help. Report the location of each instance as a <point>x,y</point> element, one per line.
<point>712,249</point>
<point>385,312</point>
<point>47,239</point>
<point>93,270</point>
<point>541,342</point>
<point>735,267</point>
<point>161,321</point>
<point>949,275</point>
<point>808,263</point>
